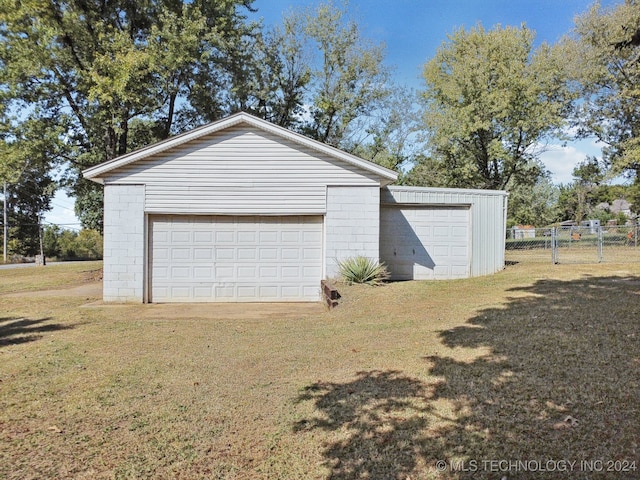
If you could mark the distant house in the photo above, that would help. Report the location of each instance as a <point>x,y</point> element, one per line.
<point>619,205</point>
<point>244,210</point>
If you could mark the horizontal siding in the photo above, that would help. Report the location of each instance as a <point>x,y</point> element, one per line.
<point>487,219</point>
<point>238,171</point>
<point>223,199</point>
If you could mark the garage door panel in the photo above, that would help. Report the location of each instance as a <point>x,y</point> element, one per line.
<point>222,254</point>
<point>202,254</point>
<point>246,273</point>
<point>202,237</point>
<point>268,237</point>
<point>246,237</point>
<point>267,254</point>
<point>179,273</point>
<point>269,292</point>
<point>204,259</point>
<point>444,231</point>
<point>246,254</point>
<point>202,292</point>
<point>181,253</point>
<point>203,273</point>
<point>224,237</point>
<point>425,242</point>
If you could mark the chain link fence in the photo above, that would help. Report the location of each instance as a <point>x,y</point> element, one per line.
<point>573,244</point>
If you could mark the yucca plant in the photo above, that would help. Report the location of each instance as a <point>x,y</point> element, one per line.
<point>363,270</point>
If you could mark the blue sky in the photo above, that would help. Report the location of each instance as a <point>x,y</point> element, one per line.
<point>412,31</point>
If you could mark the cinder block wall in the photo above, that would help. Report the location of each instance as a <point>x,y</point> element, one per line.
<point>352,225</point>
<point>123,279</point>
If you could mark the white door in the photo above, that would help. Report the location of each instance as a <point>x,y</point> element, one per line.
<point>425,242</point>
<point>235,259</point>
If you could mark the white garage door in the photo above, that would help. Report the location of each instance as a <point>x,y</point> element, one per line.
<point>235,259</point>
<point>423,243</point>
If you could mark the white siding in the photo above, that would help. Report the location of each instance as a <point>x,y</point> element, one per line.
<point>124,243</point>
<point>238,199</point>
<point>352,225</point>
<point>239,171</point>
<point>488,219</point>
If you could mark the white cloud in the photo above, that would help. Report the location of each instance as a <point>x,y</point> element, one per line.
<point>62,212</point>
<point>560,160</point>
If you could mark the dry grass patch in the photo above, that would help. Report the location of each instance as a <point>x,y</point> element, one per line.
<point>32,278</point>
<point>394,379</point>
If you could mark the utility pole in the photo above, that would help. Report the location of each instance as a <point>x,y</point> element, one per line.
<point>5,227</point>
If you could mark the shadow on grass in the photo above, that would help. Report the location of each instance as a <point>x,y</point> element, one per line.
<point>14,330</point>
<point>561,383</point>
<point>382,412</point>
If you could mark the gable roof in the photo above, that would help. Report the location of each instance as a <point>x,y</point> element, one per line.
<point>96,172</point>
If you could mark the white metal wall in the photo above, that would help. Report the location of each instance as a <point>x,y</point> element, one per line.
<point>425,242</point>
<point>488,218</point>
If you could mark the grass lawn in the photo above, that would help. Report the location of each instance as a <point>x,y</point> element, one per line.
<point>536,364</point>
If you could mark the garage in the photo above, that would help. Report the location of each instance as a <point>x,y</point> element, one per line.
<point>425,242</point>
<point>234,258</point>
<point>430,233</point>
<point>242,210</point>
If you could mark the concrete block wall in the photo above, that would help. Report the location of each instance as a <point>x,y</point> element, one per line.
<point>124,243</point>
<point>352,225</point>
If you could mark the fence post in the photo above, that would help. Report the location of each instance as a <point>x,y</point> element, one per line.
<point>554,245</point>
<point>600,244</point>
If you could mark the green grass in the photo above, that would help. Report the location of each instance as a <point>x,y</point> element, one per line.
<point>394,379</point>
<point>32,278</point>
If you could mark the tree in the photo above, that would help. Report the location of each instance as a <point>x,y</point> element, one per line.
<point>490,102</point>
<point>318,75</point>
<point>606,65</point>
<point>389,136</point>
<point>535,204</point>
<point>93,68</point>
<point>28,157</point>
<point>349,78</point>
<point>578,200</point>
<point>269,74</point>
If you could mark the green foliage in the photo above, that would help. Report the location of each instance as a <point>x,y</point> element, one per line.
<point>324,62</point>
<point>27,199</point>
<point>426,172</point>
<point>605,65</point>
<point>89,71</point>
<point>363,270</point>
<point>102,79</point>
<point>390,139</point>
<point>490,99</point>
<point>349,78</point>
<point>535,205</point>
<point>70,245</point>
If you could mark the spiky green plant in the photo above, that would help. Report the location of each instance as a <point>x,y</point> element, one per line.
<point>363,270</point>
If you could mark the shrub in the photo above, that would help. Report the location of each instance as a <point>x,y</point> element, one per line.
<point>363,270</point>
